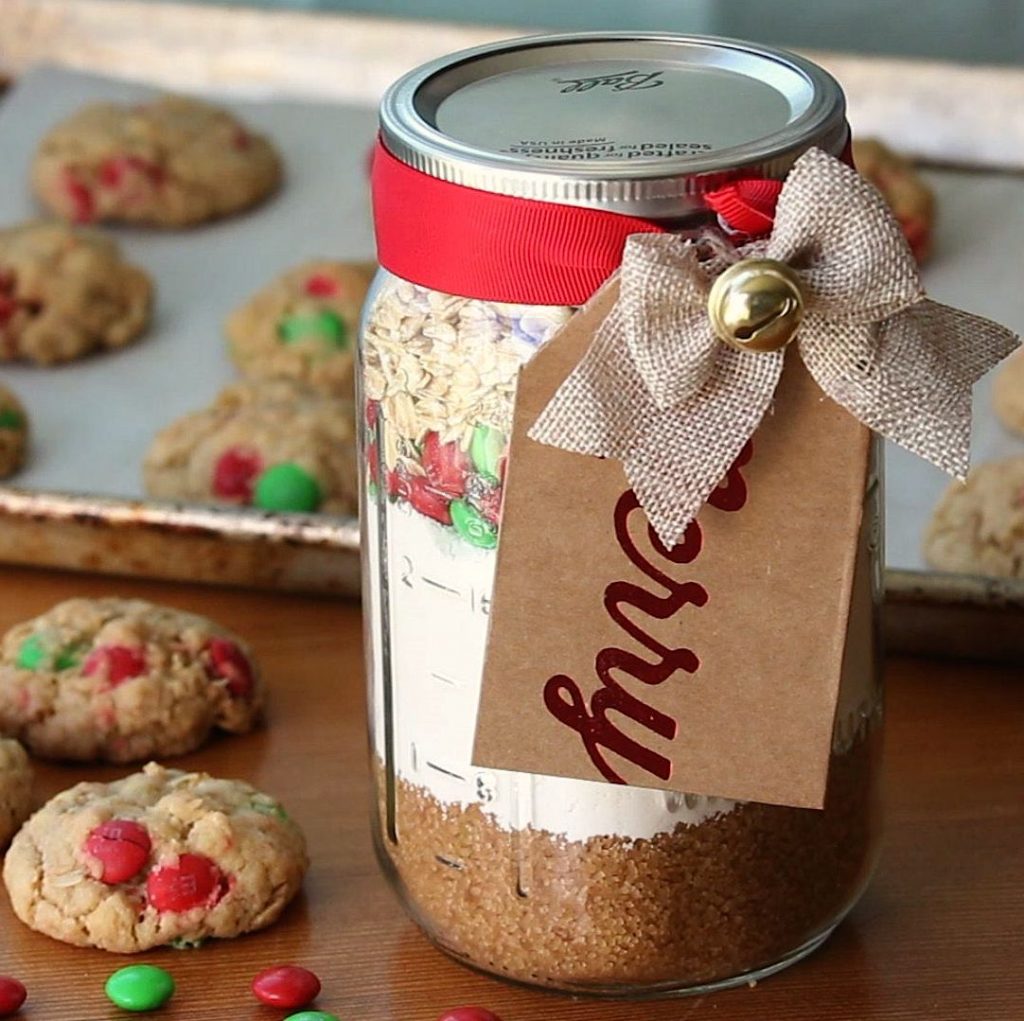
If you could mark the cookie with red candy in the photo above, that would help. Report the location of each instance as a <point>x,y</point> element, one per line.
<point>275,444</point>
<point>170,162</point>
<point>13,429</point>
<point>908,195</point>
<point>159,857</point>
<point>121,680</point>
<point>15,789</point>
<point>66,293</point>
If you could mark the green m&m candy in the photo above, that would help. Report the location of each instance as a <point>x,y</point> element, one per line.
<point>287,487</point>
<point>11,419</point>
<point>311,1015</point>
<point>472,525</point>
<point>324,326</point>
<point>139,987</point>
<point>267,807</point>
<point>486,448</point>
<point>32,653</point>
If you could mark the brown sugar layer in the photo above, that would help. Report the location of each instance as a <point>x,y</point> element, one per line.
<point>701,904</point>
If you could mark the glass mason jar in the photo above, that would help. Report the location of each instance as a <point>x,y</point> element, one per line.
<point>571,884</point>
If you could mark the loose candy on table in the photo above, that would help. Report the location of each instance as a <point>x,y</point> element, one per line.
<point>287,487</point>
<point>469,1014</point>
<point>122,848</point>
<point>12,995</point>
<point>286,986</point>
<point>140,987</point>
<point>312,1015</point>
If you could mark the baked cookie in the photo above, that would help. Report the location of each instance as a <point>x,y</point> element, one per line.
<point>159,857</point>
<point>13,433</point>
<point>303,326</point>
<point>171,162</point>
<point>15,788</point>
<point>910,198</point>
<point>978,526</point>
<point>65,293</point>
<point>1008,394</point>
<point>121,680</point>
<point>273,444</point>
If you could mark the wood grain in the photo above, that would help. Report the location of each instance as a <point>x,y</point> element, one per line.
<point>939,934</point>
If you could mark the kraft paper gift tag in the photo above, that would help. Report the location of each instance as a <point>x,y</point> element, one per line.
<point>712,668</point>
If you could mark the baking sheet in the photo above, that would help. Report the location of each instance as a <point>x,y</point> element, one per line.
<point>93,419</point>
<point>977,265</point>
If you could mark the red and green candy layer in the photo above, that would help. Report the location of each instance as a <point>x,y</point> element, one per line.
<point>461,489</point>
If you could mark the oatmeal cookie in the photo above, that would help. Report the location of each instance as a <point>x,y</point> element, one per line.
<point>13,433</point>
<point>171,162</point>
<point>978,527</point>
<point>1008,394</point>
<point>159,857</point>
<point>273,444</point>
<point>303,326</point>
<point>15,788</point>
<point>65,293</point>
<point>909,196</point>
<point>120,680</point>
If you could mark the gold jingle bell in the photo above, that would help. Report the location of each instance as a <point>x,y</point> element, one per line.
<point>756,305</point>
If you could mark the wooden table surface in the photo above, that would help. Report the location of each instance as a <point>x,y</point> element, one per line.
<point>939,936</point>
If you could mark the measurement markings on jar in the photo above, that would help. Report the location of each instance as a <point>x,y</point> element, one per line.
<point>446,680</point>
<point>447,772</point>
<point>441,585</point>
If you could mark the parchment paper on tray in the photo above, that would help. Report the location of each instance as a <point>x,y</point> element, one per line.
<point>93,419</point>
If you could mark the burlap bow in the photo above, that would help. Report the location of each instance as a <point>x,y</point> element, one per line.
<point>660,392</point>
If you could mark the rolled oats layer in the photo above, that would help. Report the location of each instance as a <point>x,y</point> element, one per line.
<point>439,375</point>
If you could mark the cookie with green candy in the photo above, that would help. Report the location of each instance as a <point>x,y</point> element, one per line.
<point>276,445</point>
<point>303,326</point>
<point>121,680</point>
<point>13,431</point>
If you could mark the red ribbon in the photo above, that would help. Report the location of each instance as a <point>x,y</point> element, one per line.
<point>478,244</point>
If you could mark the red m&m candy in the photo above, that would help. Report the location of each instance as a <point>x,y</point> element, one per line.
<point>121,846</point>
<point>469,1014</point>
<point>286,986</point>
<point>121,663</point>
<point>83,208</point>
<point>322,285</point>
<point>235,473</point>
<point>230,663</point>
<point>192,882</point>
<point>12,996</point>
<point>428,501</point>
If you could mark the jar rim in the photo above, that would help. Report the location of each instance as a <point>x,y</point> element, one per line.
<point>757,109</point>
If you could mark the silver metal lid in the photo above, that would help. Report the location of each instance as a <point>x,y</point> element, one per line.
<point>640,123</point>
